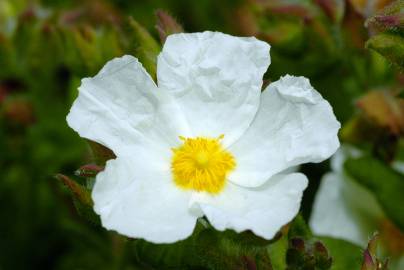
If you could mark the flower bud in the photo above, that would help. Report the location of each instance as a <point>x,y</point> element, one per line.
<point>323,260</point>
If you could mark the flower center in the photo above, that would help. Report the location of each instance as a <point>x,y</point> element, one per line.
<point>201,164</point>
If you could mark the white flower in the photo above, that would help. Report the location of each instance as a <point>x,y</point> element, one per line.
<point>204,142</point>
<point>344,209</point>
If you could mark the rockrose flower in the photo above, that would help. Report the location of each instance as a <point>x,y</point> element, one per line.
<point>204,141</point>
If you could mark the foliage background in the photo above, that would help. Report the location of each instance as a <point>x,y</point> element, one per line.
<point>47,46</point>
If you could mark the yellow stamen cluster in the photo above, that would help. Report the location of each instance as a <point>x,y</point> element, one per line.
<point>201,164</point>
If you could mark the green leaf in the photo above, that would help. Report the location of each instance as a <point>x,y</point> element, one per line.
<point>390,46</point>
<point>345,255</point>
<point>78,191</point>
<point>386,184</point>
<point>277,253</point>
<point>198,250</point>
<point>101,154</point>
<point>334,9</point>
<point>81,199</point>
<point>299,228</point>
<point>239,244</point>
<point>147,47</point>
<point>165,256</point>
<point>205,249</point>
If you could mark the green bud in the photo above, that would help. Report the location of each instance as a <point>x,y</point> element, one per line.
<point>370,259</point>
<point>294,258</point>
<point>296,253</point>
<point>298,244</point>
<point>323,260</point>
<point>372,244</point>
<point>368,263</point>
<point>306,255</point>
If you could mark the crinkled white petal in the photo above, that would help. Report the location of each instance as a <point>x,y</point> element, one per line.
<point>216,79</point>
<point>343,209</point>
<point>263,210</point>
<point>137,198</point>
<point>121,105</point>
<point>293,125</point>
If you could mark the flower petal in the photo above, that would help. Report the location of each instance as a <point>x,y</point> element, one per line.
<point>121,105</point>
<point>264,210</point>
<point>138,199</point>
<point>216,79</point>
<point>293,125</point>
<point>343,209</point>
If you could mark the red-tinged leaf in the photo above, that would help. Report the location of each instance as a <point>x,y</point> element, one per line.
<point>78,191</point>
<point>166,25</point>
<point>89,170</point>
<point>100,153</point>
<point>81,198</point>
<point>368,263</point>
<point>384,109</point>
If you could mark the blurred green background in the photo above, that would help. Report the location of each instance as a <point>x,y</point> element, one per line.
<point>47,46</point>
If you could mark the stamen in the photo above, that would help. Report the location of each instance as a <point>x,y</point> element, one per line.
<point>201,164</point>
